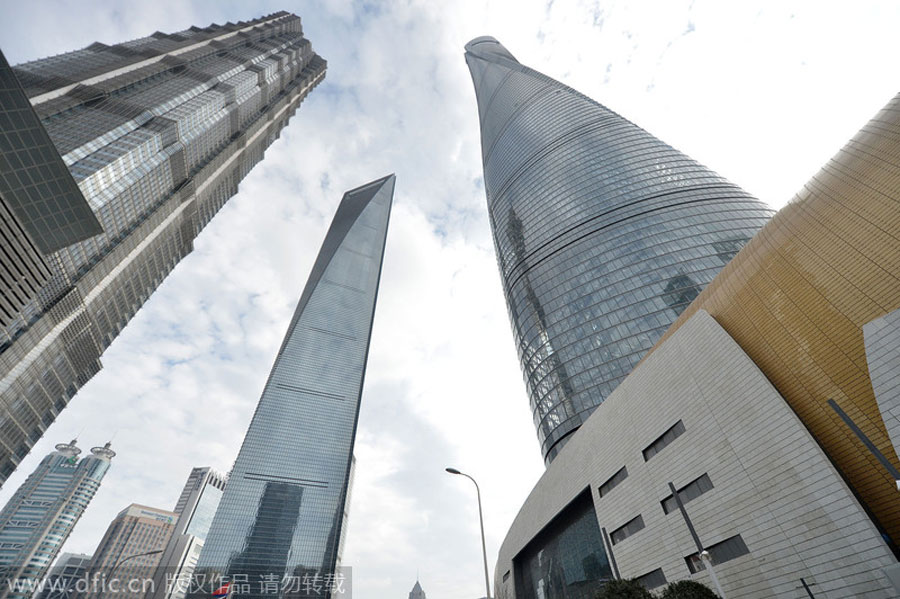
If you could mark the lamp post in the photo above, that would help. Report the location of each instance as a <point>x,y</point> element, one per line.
<point>128,557</point>
<point>704,555</point>
<point>487,584</point>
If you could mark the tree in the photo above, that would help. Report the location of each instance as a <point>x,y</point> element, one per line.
<point>688,589</point>
<point>623,589</point>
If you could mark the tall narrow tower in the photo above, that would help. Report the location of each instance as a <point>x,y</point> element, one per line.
<point>603,233</point>
<point>196,508</point>
<point>156,133</point>
<point>283,510</point>
<point>43,511</point>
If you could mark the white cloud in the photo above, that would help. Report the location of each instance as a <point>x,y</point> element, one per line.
<point>762,93</point>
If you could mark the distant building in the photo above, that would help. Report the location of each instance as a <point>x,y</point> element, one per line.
<point>284,509</point>
<point>196,508</point>
<point>135,531</point>
<point>42,513</point>
<point>62,582</point>
<point>417,592</point>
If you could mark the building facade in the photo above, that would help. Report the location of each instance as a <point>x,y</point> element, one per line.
<point>157,133</point>
<point>129,553</point>
<point>882,341</point>
<point>800,297</point>
<point>747,407</point>
<point>42,513</point>
<point>41,208</point>
<point>762,495</point>
<point>66,577</point>
<point>603,233</point>
<point>284,509</point>
<point>196,508</point>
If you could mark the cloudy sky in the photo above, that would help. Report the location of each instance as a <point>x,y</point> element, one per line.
<point>762,92</point>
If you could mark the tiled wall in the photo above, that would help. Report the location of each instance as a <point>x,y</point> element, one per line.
<point>797,296</point>
<point>882,337</point>
<point>771,482</point>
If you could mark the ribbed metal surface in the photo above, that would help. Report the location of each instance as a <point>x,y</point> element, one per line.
<point>604,234</point>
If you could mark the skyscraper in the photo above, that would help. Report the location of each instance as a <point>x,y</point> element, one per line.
<point>603,233</point>
<point>63,579</point>
<point>766,408</point>
<point>43,511</point>
<point>417,592</point>
<point>283,511</point>
<point>195,509</point>
<point>129,552</point>
<point>41,208</point>
<point>157,133</point>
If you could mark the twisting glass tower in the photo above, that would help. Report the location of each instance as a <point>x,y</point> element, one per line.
<point>283,512</point>
<point>604,234</point>
<point>43,511</point>
<point>157,133</point>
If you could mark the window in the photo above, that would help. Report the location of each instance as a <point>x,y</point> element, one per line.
<point>613,481</point>
<point>506,576</point>
<point>565,559</point>
<point>688,493</point>
<point>653,579</point>
<point>627,529</point>
<point>663,440</point>
<point>720,553</point>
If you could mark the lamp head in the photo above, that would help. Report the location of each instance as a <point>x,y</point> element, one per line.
<point>452,470</point>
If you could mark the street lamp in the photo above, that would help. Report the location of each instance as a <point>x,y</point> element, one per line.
<point>128,557</point>
<point>487,584</point>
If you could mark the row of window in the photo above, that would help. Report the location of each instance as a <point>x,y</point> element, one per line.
<point>723,551</point>
<point>689,492</point>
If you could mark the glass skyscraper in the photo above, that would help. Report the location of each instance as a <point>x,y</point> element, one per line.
<point>196,508</point>
<point>43,511</point>
<point>283,512</point>
<point>157,133</point>
<point>603,233</point>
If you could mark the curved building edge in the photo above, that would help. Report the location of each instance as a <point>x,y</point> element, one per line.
<point>811,299</point>
<point>762,495</point>
<point>603,234</point>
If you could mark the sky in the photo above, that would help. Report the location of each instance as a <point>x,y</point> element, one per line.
<point>761,92</point>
